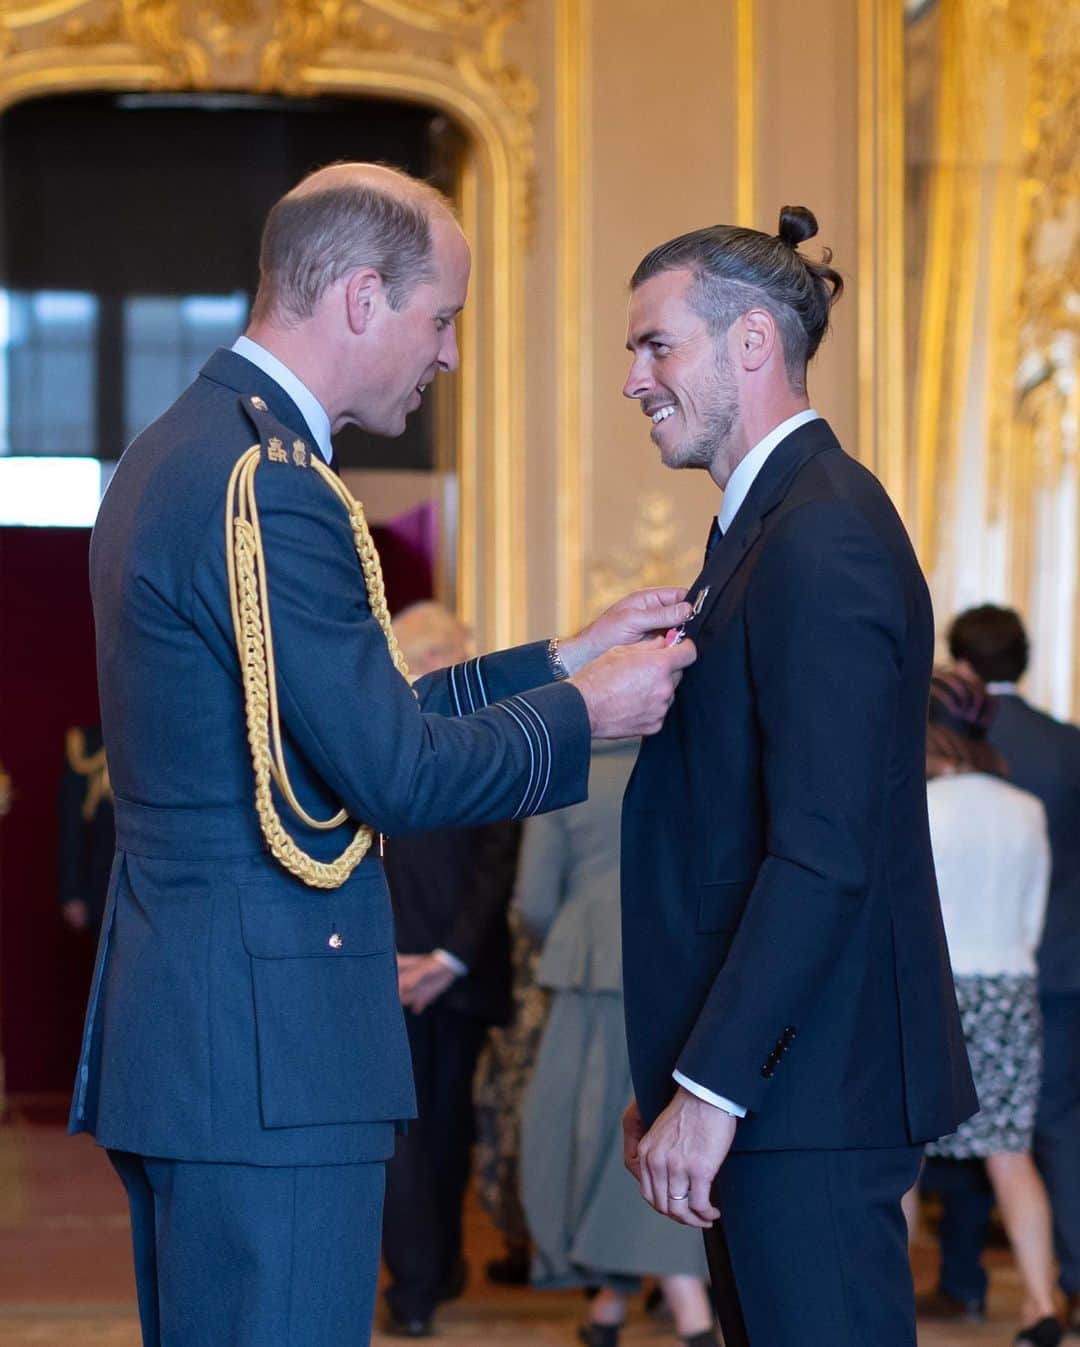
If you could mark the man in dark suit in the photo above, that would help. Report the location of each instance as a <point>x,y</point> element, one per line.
<point>86,832</point>
<point>245,1059</point>
<point>450,892</point>
<point>792,1022</point>
<point>1043,756</point>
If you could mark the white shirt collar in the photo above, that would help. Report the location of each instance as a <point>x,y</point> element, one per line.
<point>1003,689</point>
<point>742,479</point>
<point>307,404</point>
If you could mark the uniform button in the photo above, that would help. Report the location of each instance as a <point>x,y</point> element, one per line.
<point>258,404</point>
<point>335,941</point>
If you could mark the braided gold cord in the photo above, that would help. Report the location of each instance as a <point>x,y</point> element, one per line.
<point>369,562</point>
<point>249,602</point>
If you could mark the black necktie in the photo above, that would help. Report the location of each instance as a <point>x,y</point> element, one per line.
<point>715,534</point>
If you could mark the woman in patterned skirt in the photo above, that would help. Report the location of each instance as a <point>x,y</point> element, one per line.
<point>993,867</point>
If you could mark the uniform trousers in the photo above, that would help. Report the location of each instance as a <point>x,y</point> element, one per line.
<point>233,1255</point>
<point>818,1247</point>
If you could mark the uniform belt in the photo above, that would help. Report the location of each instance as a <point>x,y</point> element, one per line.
<point>191,832</point>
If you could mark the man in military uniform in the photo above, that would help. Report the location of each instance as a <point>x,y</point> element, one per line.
<point>245,1059</point>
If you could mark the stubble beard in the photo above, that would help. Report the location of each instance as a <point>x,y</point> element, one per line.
<point>720,417</point>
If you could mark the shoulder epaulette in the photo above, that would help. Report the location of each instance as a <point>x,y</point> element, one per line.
<point>277,442</point>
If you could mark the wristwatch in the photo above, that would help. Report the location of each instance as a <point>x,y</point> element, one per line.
<point>559,671</point>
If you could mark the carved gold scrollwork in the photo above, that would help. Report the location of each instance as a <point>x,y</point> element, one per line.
<point>1051,293</point>
<point>23,13</point>
<point>157,28</point>
<point>302,31</point>
<point>438,15</point>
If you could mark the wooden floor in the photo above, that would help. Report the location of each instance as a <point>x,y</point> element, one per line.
<point>65,1276</point>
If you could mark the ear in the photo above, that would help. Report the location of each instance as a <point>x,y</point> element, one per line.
<point>758,339</point>
<point>364,296</point>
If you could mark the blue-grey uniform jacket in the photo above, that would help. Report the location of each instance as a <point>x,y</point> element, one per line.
<point>224,1022</point>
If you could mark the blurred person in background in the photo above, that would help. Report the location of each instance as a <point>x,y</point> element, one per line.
<point>588,1222</point>
<point>450,890</point>
<point>502,1077</point>
<point>992,861</point>
<point>1044,757</point>
<point>86,830</point>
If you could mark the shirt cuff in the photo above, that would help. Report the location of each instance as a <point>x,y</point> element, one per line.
<point>450,961</point>
<point>736,1110</point>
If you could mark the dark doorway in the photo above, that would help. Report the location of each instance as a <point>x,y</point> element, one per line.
<point>129,235</point>
<point>129,229</point>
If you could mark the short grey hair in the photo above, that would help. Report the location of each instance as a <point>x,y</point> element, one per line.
<point>313,238</point>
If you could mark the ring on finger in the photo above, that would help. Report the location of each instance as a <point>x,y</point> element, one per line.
<point>678,1197</point>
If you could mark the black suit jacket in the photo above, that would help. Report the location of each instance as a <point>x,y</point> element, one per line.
<point>451,890</point>
<point>1043,755</point>
<point>783,943</point>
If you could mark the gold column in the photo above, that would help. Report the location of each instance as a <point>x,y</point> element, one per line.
<point>882,402</point>
<point>574,334</point>
<point>745,113</point>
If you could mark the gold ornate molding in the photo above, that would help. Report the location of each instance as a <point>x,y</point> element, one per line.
<point>445,54</point>
<point>1050,301</point>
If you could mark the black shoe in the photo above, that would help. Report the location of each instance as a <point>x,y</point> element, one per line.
<point>599,1335</point>
<point>513,1270</point>
<point>936,1304</point>
<point>1046,1333</point>
<point>655,1303</point>
<point>454,1286</point>
<point>706,1338</point>
<point>407,1328</point>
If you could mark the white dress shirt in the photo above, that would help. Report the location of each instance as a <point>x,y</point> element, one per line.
<point>742,479</point>
<point>738,487</point>
<point>992,860</point>
<point>307,404</point>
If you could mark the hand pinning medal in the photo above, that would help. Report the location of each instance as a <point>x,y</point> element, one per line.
<point>677,634</point>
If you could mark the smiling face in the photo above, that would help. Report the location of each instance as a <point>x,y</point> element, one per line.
<point>400,351</point>
<point>681,374</point>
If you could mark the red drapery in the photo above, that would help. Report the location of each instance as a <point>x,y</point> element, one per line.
<point>47,683</point>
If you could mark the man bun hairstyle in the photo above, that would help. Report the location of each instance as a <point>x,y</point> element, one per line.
<point>312,238</point>
<point>737,269</point>
<point>797,224</point>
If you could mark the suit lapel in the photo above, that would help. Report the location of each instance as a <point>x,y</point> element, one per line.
<point>769,488</point>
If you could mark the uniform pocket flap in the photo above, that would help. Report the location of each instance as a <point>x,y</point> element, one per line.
<point>720,906</point>
<point>332,926</point>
